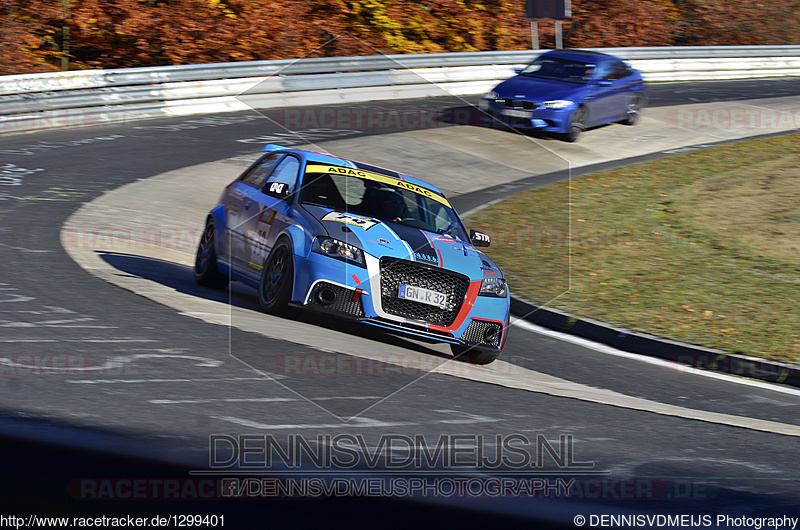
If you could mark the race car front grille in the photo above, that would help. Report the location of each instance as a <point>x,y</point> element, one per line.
<point>483,332</point>
<point>397,272</point>
<point>336,298</point>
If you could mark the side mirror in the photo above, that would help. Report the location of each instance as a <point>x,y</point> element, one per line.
<point>279,190</point>
<point>479,239</point>
<point>518,69</point>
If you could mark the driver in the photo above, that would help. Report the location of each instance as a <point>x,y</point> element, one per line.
<point>391,205</point>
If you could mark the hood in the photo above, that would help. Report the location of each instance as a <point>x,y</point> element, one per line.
<point>381,239</point>
<point>536,89</point>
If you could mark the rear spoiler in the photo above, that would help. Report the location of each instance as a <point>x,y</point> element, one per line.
<point>273,147</point>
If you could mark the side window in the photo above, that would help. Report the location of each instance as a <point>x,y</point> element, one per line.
<point>622,71</point>
<point>258,174</point>
<point>605,72</point>
<point>286,172</point>
<point>614,70</point>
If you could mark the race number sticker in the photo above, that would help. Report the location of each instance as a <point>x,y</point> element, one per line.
<point>340,217</point>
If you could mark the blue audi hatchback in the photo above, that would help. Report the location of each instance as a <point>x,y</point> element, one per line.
<point>360,242</point>
<point>565,92</point>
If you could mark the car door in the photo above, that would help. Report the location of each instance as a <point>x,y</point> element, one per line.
<point>270,214</point>
<point>612,98</point>
<point>627,84</point>
<point>239,208</point>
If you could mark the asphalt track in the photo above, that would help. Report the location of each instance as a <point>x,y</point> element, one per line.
<point>79,350</point>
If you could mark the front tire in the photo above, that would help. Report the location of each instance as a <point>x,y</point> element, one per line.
<point>205,263</point>
<point>474,355</point>
<point>634,111</point>
<point>577,124</point>
<point>277,278</point>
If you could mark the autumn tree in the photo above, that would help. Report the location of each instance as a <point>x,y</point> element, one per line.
<point>618,23</point>
<point>31,34</point>
<point>38,35</point>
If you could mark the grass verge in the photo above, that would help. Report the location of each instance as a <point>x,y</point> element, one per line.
<point>702,247</point>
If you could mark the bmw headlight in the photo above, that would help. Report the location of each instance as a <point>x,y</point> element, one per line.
<point>493,286</point>
<point>339,249</point>
<point>483,103</point>
<point>556,104</point>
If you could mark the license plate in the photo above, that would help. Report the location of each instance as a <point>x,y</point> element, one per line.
<point>422,295</point>
<point>515,113</point>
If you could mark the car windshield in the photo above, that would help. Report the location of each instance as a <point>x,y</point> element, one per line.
<point>560,69</point>
<point>374,196</point>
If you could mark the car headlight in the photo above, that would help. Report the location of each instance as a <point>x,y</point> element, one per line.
<point>556,104</point>
<point>491,95</point>
<point>493,286</point>
<point>339,249</point>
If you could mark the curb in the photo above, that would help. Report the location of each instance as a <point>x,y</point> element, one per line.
<point>654,346</point>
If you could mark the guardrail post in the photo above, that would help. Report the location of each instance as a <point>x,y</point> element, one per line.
<point>534,35</point>
<point>559,41</point>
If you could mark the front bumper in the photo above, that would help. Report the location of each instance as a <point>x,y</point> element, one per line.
<point>339,289</point>
<point>548,120</point>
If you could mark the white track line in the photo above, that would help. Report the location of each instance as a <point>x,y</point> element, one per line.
<point>681,368</point>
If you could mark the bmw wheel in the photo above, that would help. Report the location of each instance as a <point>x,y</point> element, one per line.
<point>633,112</point>
<point>205,264</point>
<point>277,277</point>
<point>577,124</point>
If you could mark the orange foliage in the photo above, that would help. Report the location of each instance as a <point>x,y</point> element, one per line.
<point>124,33</point>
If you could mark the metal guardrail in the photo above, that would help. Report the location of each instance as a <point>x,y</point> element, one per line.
<point>47,100</point>
<point>14,84</point>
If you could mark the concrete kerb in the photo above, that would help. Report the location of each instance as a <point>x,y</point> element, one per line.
<point>655,346</point>
<point>624,339</point>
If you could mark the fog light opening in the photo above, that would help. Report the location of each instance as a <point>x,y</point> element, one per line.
<point>326,296</point>
<point>490,335</point>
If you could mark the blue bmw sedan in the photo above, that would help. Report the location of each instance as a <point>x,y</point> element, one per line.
<point>565,92</point>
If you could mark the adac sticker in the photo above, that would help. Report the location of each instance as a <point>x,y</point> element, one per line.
<point>340,217</point>
<point>378,178</point>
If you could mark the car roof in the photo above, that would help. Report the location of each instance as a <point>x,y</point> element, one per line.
<point>313,156</point>
<point>580,55</point>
